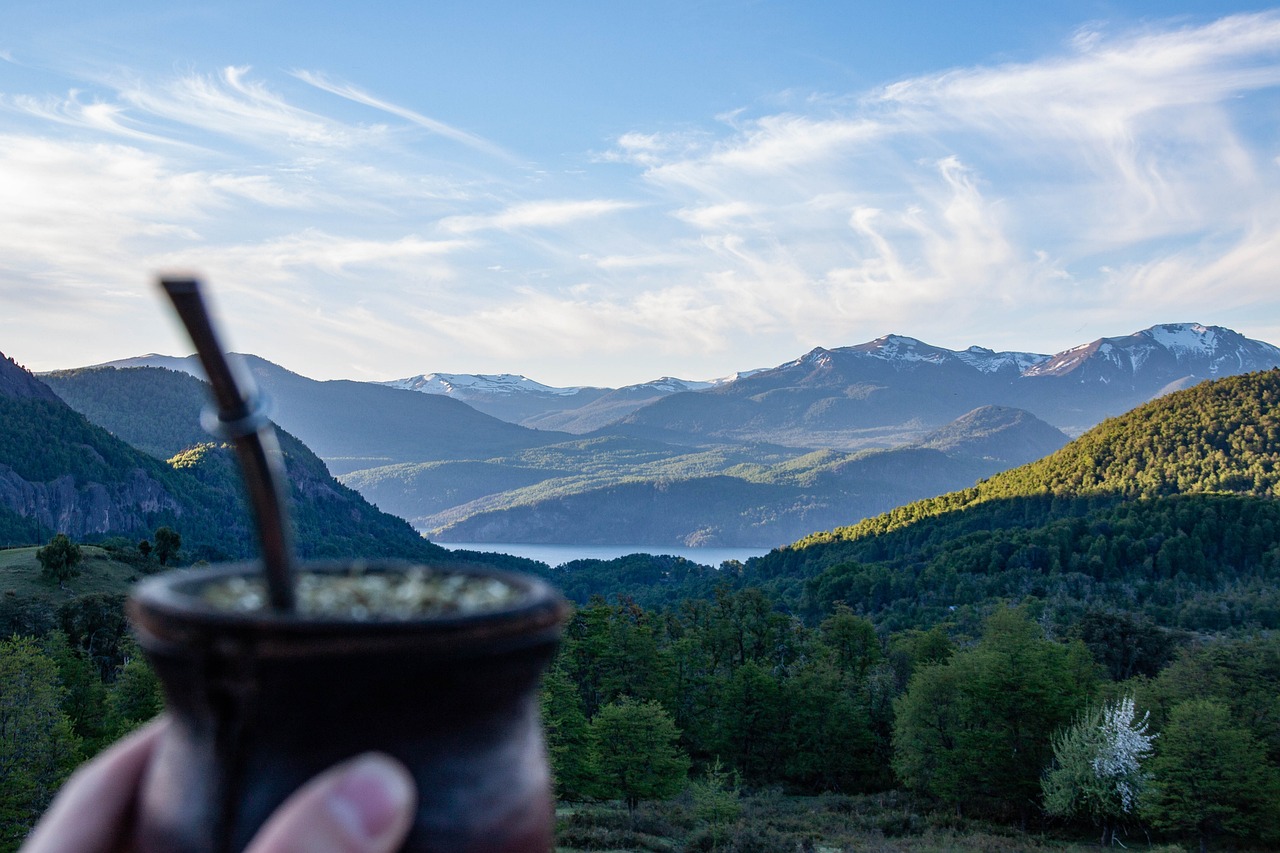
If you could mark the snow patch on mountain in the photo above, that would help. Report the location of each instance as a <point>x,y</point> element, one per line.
<point>461,384</point>
<point>476,385</point>
<point>903,349</point>
<point>990,361</point>
<point>734,377</point>
<point>1185,337</point>
<point>670,385</point>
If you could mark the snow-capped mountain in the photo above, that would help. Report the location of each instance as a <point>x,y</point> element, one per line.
<point>903,351</point>
<point>463,385</point>
<point>897,388</point>
<point>989,361</point>
<point>519,399</point>
<point>891,390</point>
<point>1173,351</point>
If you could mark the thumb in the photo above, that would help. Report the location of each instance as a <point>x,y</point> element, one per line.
<point>365,805</point>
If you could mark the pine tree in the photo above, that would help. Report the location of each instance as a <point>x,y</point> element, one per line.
<point>1211,777</point>
<point>568,744</point>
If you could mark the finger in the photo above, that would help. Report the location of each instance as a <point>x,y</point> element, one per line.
<point>92,812</point>
<point>365,805</point>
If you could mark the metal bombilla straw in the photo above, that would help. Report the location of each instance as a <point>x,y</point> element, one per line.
<point>241,416</point>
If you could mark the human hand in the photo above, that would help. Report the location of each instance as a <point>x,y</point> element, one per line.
<point>364,805</point>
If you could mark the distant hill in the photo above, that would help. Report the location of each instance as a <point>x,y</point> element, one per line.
<point>354,425</point>
<point>717,509</point>
<point>1172,510</point>
<point>1014,436</point>
<point>750,504</point>
<point>615,404</point>
<point>197,491</point>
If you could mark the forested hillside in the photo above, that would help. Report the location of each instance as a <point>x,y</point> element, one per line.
<point>157,410</point>
<point>1171,509</point>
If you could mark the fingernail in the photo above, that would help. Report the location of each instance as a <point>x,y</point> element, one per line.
<point>371,797</point>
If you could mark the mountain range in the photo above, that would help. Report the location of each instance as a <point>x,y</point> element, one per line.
<point>883,392</point>
<point>830,437</point>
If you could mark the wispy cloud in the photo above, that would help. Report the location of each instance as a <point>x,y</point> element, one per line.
<point>72,111</point>
<point>540,214</point>
<point>965,193</point>
<point>1121,181</point>
<point>360,96</point>
<point>234,104</point>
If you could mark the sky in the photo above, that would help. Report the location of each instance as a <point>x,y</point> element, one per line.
<point>599,193</point>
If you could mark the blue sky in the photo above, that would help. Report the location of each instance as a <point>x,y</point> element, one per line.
<point>603,193</point>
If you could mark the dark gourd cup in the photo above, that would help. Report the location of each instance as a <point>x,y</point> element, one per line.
<point>262,701</point>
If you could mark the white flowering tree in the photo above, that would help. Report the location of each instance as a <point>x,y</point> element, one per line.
<point>1097,767</point>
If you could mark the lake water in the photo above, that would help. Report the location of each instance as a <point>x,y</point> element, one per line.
<point>556,555</point>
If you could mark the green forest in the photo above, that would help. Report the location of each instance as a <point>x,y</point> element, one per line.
<point>1077,652</point>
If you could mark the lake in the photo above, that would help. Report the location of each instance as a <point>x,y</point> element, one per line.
<point>556,555</point>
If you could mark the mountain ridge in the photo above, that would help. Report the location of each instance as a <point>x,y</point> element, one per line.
<point>353,424</point>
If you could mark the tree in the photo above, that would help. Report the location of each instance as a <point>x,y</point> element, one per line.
<point>96,625</point>
<point>1097,770</point>
<point>716,801</point>
<point>635,753</point>
<point>752,723</point>
<point>83,693</point>
<point>1125,645</point>
<point>134,698</point>
<point>829,744</point>
<point>167,544</point>
<point>144,548</point>
<point>976,731</point>
<point>38,748</point>
<point>1211,777</point>
<point>928,723</point>
<point>566,731</point>
<point>58,559</point>
<point>852,641</point>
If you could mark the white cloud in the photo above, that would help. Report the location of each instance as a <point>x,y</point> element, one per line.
<point>354,93</point>
<point>962,207</point>
<point>105,117</point>
<point>989,190</point>
<point>632,262</point>
<point>715,216</point>
<point>231,104</point>
<point>541,214</point>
